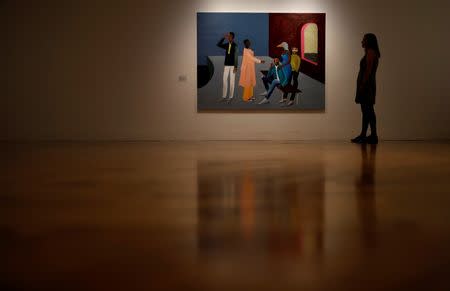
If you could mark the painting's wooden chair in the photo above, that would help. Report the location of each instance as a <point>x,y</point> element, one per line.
<point>289,89</point>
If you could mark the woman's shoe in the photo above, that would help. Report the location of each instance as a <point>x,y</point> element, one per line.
<point>372,139</point>
<point>359,139</point>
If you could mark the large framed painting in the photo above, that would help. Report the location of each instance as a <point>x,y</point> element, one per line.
<point>260,61</point>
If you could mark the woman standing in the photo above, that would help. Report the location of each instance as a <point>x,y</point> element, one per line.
<point>248,75</point>
<point>366,89</point>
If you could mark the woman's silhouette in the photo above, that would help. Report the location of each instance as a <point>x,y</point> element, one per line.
<point>366,89</point>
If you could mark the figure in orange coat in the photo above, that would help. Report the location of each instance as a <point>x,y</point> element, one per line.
<point>248,74</point>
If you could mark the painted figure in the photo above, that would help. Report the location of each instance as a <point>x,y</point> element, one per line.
<point>274,78</point>
<point>366,89</point>
<point>295,64</point>
<point>285,61</point>
<point>248,76</point>
<point>231,64</point>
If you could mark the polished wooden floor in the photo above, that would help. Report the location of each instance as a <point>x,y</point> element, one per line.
<point>225,216</point>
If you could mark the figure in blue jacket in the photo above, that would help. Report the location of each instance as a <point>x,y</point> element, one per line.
<point>275,77</point>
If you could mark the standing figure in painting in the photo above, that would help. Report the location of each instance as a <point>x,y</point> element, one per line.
<point>285,60</point>
<point>231,64</point>
<point>274,78</point>
<point>366,89</point>
<point>295,64</point>
<point>248,75</point>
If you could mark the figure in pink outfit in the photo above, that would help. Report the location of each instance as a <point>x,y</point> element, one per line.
<point>248,74</point>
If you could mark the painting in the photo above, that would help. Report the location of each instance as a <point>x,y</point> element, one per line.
<point>260,61</point>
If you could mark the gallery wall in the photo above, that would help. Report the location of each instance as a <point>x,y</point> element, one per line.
<point>126,70</point>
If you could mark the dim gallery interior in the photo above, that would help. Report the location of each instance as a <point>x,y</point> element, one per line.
<point>210,145</point>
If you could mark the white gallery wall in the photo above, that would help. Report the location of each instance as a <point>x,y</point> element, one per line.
<point>107,70</point>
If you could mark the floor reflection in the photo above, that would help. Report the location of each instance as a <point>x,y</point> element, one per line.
<point>260,208</point>
<point>365,196</point>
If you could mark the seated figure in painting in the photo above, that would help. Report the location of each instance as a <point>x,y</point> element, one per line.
<point>274,78</point>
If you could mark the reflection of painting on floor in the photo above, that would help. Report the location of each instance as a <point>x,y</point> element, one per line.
<point>243,209</point>
<point>236,50</point>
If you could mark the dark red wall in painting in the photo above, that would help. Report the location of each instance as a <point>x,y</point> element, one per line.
<point>287,27</point>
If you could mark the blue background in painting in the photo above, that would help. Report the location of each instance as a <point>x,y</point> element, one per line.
<point>212,26</point>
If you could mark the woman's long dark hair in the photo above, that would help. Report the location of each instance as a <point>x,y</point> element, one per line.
<point>372,43</point>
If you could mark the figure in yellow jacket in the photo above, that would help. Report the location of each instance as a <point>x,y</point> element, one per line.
<point>295,64</point>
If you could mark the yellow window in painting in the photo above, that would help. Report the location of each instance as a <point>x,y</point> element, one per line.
<point>310,42</point>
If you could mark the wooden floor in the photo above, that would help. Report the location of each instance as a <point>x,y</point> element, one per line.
<point>225,216</point>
